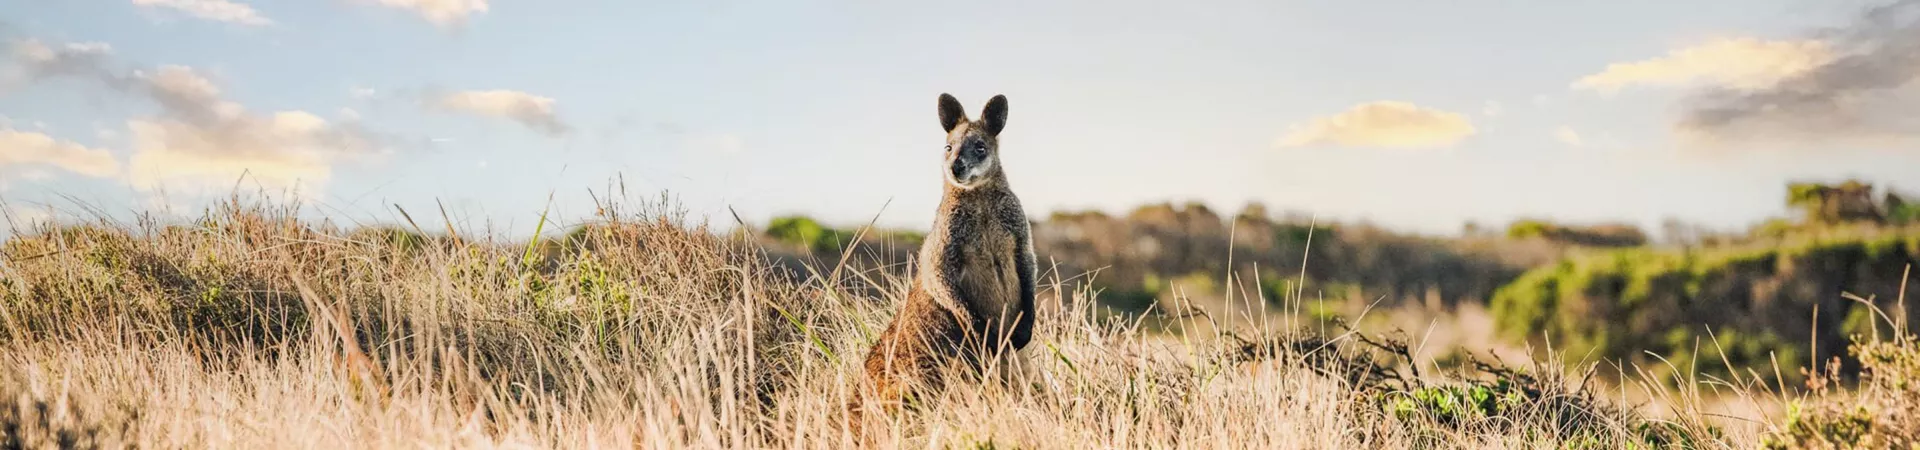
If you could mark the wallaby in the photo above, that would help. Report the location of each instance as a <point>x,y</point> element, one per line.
<point>973,296</point>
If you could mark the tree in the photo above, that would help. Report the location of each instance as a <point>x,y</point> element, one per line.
<point>1601,235</point>
<point>1823,204</point>
<point>1899,211</point>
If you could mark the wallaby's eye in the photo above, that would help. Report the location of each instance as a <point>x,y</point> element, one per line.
<point>949,147</point>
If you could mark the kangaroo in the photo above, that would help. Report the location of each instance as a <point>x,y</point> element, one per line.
<point>973,295</point>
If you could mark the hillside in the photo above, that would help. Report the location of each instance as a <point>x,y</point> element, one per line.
<point>1604,291</point>
<point>249,328</point>
<point>1758,303</point>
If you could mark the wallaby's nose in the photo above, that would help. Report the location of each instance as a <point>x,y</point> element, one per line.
<point>959,171</point>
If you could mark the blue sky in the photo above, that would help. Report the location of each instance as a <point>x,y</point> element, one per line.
<point>1415,114</point>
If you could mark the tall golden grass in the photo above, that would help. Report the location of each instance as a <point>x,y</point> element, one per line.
<point>250,328</point>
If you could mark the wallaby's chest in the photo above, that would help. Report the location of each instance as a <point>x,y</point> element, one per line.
<point>984,269</point>
<point>982,238</point>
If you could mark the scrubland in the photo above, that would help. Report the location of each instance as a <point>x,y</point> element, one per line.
<point>251,328</point>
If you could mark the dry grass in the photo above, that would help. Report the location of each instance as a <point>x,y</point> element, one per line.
<point>250,329</point>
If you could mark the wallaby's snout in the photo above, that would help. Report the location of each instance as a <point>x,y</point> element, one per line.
<point>968,165</point>
<point>959,171</point>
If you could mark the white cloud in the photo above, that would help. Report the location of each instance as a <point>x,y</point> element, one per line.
<point>534,111</point>
<point>182,89</point>
<point>288,151</point>
<point>1736,63</point>
<point>1566,135</point>
<point>24,148</point>
<point>1383,124</point>
<point>204,144</point>
<point>36,60</point>
<point>362,93</point>
<point>1492,109</point>
<point>443,13</point>
<point>214,10</point>
<point>33,51</point>
<point>1856,86</point>
<point>199,142</point>
<point>1847,86</point>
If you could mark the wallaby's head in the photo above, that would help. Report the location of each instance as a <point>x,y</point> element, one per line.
<point>973,146</point>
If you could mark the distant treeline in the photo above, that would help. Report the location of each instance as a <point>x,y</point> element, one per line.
<point>1772,295</point>
<point>1752,305</point>
<point>1137,257</point>
<point>1608,288</point>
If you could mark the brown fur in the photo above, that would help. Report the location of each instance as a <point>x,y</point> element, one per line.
<point>973,296</point>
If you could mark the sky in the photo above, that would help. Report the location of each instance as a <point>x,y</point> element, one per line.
<point>1418,115</point>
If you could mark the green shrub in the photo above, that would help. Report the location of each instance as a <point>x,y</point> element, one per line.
<point>1757,302</point>
<point>1884,412</point>
<point>806,233</point>
<point>1460,404</point>
<point>1904,213</point>
<point>1603,235</point>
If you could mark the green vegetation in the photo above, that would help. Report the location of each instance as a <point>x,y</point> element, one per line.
<point>1348,261</point>
<point>809,236</point>
<point>1459,404</point>
<point>807,233</point>
<point>1592,289</point>
<point>1884,412</point>
<point>1606,235</point>
<point>251,329</point>
<point>1757,302</point>
<point>1904,213</point>
<point>1539,403</point>
<point>1483,405</point>
<point>1849,201</point>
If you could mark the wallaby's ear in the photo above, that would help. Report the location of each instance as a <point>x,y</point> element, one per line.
<point>951,113</point>
<point>995,115</point>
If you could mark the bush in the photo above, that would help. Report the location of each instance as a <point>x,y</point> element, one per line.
<point>1482,405</point>
<point>1884,412</point>
<point>1904,213</point>
<point>1604,235</point>
<point>806,233</point>
<point>1756,302</point>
